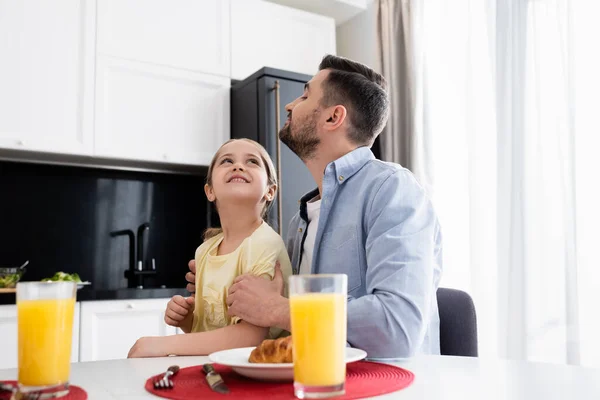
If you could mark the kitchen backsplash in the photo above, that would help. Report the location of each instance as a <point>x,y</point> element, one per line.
<point>61,218</point>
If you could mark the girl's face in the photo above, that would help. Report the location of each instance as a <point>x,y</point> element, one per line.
<point>239,176</point>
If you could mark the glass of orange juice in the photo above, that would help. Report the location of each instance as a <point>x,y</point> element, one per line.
<point>318,319</point>
<point>45,329</point>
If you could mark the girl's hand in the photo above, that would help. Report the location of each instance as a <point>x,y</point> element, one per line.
<point>150,346</point>
<point>180,312</point>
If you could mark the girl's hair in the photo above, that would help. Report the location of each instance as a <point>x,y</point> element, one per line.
<point>271,180</point>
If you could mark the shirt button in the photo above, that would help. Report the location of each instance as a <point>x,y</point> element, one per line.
<point>300,230</point>
<point>341,178</point>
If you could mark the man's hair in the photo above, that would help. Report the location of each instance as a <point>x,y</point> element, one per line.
<point>362,91</point>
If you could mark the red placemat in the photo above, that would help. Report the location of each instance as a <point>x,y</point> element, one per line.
<point>363,379</point>
<point>75,393</point>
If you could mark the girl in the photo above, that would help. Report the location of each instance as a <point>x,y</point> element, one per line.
<point>241,182</point>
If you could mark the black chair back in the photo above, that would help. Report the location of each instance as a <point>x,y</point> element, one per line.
<point>458,323</point>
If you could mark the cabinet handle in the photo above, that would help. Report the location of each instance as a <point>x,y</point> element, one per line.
<point>130,306</point>
<point>278,154</point>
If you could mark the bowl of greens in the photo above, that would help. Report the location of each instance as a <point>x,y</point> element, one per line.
<point>65,277</point>
<point>10,276</point>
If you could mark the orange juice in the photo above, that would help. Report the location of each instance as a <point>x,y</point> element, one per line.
<point>45,332</point>
<point>319,338</point>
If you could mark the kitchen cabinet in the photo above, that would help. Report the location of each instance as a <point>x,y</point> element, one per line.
<point>162,86</point>
<point>46,76</point>
<point>110,328</point>
<point>135,84</point>
<point>160,114</point>
<point>271,35</point>
<point>76,332</point>
<point>187,34</point>
<point>340,10</point>
<point>8,333</point>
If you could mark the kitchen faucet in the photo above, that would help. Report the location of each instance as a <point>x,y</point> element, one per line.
<point>129,233</point>
<point>136,272</point>
<point>140,244</point>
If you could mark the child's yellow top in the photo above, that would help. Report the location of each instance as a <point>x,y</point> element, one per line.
<point>215,274</point>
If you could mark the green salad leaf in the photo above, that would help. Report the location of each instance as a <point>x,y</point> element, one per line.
<point>63,276</point>
<point>9,281</point>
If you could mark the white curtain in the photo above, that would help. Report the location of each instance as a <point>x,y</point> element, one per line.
<point>404,139</point>
<point>585,30</point>
<point>510,89</point>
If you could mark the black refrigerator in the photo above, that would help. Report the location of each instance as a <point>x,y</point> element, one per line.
<point>258,112</point>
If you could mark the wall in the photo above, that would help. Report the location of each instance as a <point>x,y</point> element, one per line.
<point>60,218</point>
<point>357,38</point>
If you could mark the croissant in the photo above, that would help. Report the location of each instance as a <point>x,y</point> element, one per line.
<point>273,351</point>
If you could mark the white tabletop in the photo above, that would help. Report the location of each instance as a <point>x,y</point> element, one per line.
<point>436,378</point>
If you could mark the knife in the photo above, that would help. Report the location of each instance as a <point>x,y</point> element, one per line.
<point>214,379</point>
<point>16,395</point>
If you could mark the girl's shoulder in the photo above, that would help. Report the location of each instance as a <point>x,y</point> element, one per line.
<point>266,234</point>
<point>208,245</point>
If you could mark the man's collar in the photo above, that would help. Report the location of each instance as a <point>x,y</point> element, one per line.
<point>305,199</point>
<point>351,163</point>
<point>345,167</point>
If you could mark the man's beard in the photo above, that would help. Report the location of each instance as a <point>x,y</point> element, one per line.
<point>303,141</point>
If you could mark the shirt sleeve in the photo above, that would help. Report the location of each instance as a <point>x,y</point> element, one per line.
<point>402,245</point>
<point>264,264</point>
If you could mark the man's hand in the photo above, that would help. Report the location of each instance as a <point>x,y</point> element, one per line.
<point>191,277</point>
<point>180,312</point>
<point>259,301</point>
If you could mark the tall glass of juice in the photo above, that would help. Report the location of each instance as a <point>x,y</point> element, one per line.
<point>45,329</point>
<point>318,319</point>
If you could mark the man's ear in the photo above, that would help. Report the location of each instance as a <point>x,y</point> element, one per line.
<point>210,194</point>
<point>336,116</point>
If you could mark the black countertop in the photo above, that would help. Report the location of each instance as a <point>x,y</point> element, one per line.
<point>88,294</point>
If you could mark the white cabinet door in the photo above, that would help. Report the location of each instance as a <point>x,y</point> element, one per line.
<point>154,113</point>
<point>8,335</point>
<point>162,80</point>
<point>110,328</point>
<point>264,34</point>
<point>76,330</point>
<point>186,34</point>
<point>46,75</point>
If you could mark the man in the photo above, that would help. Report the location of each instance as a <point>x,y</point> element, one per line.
<point>368,219</point>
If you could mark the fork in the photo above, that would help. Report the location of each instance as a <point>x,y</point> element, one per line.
<point>165,382</point>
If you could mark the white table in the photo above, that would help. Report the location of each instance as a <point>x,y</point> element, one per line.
<point>436,378</point>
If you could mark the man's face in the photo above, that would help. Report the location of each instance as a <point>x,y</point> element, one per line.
<point>300,132</point>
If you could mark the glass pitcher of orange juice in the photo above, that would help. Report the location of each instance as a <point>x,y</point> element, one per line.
<point>45,329</point>
<point>318,319</point>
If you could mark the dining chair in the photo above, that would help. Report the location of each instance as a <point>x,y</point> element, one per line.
<point>458,323</point>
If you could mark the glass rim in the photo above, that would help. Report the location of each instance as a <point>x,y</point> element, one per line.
<point>41,283</point>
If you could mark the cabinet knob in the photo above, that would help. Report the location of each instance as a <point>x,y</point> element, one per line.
<point>130,306</point>
<point>20,142</point>
<point>165,156</point>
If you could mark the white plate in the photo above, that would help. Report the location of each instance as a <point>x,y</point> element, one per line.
<point>82,284</point>
<point>237,359</point>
